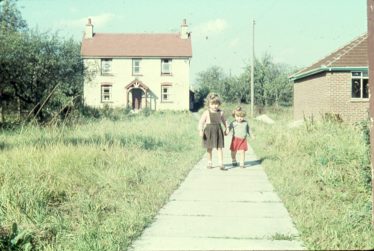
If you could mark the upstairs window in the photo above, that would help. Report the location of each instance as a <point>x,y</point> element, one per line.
<point>360,85</point>
<point>106,66</point>
<point>136,66</point>
<point>106,93</point>
<point>166,66</point>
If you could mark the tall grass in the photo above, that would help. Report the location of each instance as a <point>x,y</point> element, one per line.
<point>92,186</point>
<point>321,171</point>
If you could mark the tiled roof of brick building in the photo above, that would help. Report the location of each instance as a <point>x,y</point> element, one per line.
<point>354,54</point>
<point>136,45</point>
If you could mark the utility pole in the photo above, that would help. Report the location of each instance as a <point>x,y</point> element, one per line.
<point>253,67</point>
<point>370,17</point>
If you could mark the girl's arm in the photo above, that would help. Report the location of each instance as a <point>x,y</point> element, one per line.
<point>231,127</point>
<point>202,122</point>
<point>224,121</point>
<point>250,132</point>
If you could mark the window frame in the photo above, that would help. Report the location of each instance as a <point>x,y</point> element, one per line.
<point>169,63</point>
<point>168,87</point>
<point>362,77</point>
<point>134,60</point>
<point>103,94</point>
<point>102,68</point>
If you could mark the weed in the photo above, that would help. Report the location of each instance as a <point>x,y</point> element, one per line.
<point>278,236</point>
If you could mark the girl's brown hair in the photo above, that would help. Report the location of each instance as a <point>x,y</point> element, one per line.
<point>238,111</point>
<point>212,98</point>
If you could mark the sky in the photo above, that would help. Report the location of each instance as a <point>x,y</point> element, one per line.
<point>294,32</point>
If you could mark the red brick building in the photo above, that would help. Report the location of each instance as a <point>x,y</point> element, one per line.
<point>336,84</point>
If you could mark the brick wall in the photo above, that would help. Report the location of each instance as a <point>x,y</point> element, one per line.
<point>311,97</point>
<point>349,109</point>
<point>328,93</point>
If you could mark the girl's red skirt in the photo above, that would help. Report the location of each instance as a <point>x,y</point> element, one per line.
<point>238,144</point>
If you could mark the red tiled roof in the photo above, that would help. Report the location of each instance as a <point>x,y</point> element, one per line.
<point>354,54</point>
<point>136,45</point>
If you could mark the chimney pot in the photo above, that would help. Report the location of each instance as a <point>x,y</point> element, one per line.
<point>89,29</point>
<point>184,34</point>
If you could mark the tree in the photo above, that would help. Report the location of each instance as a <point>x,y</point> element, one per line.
<point>44,71</point>
<point>211,80</point>
<point>11,23</point>
<point>10,17</point>
<point>271,82</point>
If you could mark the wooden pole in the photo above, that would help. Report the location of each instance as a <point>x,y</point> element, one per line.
<point>253,67</point>
<point>370,17</point>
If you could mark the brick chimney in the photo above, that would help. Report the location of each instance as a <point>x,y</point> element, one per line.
<point>89,29</point>
<point>184,30</point>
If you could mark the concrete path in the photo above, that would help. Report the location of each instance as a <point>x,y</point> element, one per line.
<point>235,209</point>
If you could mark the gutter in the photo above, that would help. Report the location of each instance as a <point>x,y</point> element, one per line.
<point>324,68</point>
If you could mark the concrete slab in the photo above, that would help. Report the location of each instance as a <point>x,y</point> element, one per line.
<point>220,227</point>
<point>243,196</point>
<point>212,209</point>
<point>188,243</point>
<point>225,209</point>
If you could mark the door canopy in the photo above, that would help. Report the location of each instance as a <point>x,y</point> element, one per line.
<point>137,84</point>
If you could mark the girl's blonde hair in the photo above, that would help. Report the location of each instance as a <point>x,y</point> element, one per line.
<point>238,111</point>
<point>212,98</point>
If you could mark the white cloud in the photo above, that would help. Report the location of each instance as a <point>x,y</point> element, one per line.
<point>211,27</point>
<point>97,21</point>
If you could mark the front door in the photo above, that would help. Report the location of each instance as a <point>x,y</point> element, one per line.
<point>137,99</point>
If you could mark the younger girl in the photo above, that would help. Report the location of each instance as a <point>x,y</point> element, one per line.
<point>240,130</point>
<point>210,128</point>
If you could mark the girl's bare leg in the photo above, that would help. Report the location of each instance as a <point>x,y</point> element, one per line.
<point>233,157</point>
<point>209,151</point>
<point>242,158</point>
<point>220,157</point>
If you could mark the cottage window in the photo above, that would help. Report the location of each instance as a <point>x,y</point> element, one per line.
<point>165,66</point>
<point>106,66</point>
<point>166,93</point>
<point>360,85</point>
<point>106,93</point>
<point>136,66</point>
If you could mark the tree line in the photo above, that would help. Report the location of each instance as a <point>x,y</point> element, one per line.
<point>271,84</point>
<point>41,74</point>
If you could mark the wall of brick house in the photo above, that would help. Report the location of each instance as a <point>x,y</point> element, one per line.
<point>311,96</point>
<point>350,110</point>
<point>328,92</point>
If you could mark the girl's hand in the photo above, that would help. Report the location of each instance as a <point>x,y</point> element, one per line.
<point>201,133</point>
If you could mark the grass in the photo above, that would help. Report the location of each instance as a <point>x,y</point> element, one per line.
<point>321,171</point>
<point>92,186</point>
<point>284,237</point>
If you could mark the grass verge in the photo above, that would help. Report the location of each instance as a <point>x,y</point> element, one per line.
<point>92,186</point>
<point>321,171</point>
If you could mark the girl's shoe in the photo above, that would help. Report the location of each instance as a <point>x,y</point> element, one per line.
<point>234,163</point>
<point>223,168</point>
<point>209,166</point>
<point>241,166</point>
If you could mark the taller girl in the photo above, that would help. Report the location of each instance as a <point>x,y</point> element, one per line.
<point>210,128</point>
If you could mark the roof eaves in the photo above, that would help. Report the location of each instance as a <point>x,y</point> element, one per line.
<point>325,68</point>
<point>308,73</point>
